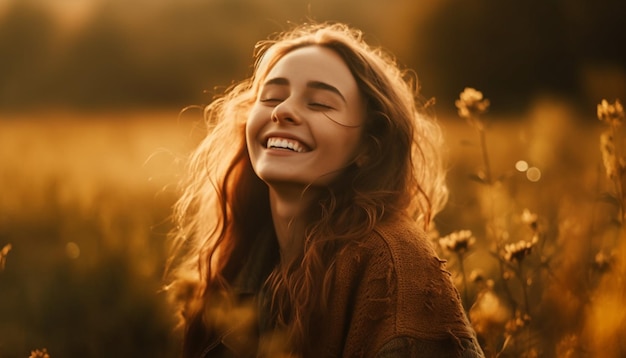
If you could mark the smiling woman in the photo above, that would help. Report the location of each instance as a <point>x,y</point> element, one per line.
<point>310,101</point>
<point>301,227</point>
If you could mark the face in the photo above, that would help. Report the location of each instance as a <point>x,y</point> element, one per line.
<point>306,124</point>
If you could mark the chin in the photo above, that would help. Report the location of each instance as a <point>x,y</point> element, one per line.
<point>282,181</point>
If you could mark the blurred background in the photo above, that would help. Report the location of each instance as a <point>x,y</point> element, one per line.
<point>104,54</point>
<point>92,134</point>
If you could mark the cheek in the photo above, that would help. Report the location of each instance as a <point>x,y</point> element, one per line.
<point>343,146</point>
<point>253,126</point>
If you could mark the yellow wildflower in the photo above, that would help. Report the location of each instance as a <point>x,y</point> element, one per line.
<point>602,261</point>
<point>39,353</point>
<point>519,250</point>
<point>529,219</point>
<point>611,113</point>
<point>459,241</point>
<point>520,320</point>
<point>471,104</point>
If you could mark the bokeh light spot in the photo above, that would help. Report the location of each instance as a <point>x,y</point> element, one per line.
<point>533,174</point>
<point>72,250</point>
<point>521,165</point>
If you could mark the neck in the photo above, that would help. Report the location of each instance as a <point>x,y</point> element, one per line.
<point>290,216</point>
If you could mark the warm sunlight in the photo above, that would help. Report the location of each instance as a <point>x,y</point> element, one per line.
<point>101,102</point>
<point>71,14</point>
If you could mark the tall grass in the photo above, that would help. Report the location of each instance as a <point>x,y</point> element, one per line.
<point>533,232</point>
<point>84,207</point>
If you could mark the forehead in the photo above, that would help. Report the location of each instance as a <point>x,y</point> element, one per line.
<point>314,63</point>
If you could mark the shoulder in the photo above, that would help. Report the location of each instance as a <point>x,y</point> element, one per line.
<point>401,287</point>
<point>399,244</point>
<point>422,285</point>
<point>405,243</point>
<point>396,246</point>
<point>402,246</point>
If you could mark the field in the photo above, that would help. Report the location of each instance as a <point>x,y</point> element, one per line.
<point>85,205</point>
<point>85,202</point>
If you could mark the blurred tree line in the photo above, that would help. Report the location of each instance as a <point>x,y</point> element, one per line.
<point>174,53</point>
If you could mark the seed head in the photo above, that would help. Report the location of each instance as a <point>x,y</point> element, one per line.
<point>459,241</point>
<point>471,104</point>
<point>602,261</point>
<point>39,353</point>
<point>611,113</point>
<point>477,276</point>
<point>529,219</point>
<point>519,250</point>
<point>519,321</point>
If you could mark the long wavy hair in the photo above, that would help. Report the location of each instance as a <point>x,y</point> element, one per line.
<point>224,205</point>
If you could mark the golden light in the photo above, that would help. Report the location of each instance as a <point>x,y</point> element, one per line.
<point>72,250</point>
<point>521,165</point>
<point>533,174</point>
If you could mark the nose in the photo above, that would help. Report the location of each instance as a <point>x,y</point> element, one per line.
<point>286,112</point>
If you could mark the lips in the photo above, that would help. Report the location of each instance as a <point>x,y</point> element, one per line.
<point>286,144</point>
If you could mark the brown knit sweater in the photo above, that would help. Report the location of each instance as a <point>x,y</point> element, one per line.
<point>391,297</point>
<point>392,289</point>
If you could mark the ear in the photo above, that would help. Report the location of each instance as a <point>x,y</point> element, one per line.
<point>364,153</point>
<point>361,159</point>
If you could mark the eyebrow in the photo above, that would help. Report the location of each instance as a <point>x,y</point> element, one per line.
<point>281,81</point>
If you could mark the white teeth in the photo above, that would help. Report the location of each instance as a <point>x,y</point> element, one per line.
<point>285,144</point>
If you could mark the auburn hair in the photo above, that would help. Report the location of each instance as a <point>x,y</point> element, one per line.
<point>224,205</point>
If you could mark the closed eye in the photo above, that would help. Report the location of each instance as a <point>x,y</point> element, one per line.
<point>271,101</point>
<point>320,105</point>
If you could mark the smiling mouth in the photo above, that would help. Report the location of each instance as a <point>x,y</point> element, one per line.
<point>286,144</point>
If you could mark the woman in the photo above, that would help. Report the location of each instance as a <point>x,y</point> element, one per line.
<point>301,225</point>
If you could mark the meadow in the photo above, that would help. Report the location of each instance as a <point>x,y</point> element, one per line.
<point>85,206</point>
<point>533,231</point>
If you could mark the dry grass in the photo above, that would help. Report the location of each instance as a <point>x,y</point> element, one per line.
<point>85,203</point>
<point>545,266</point>
<point>84,206</point>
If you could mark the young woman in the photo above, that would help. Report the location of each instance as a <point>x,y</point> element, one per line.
<point>301,225</point>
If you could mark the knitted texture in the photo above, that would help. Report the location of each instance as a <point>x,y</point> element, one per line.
<point>390,296</point>
<point>391,285</point>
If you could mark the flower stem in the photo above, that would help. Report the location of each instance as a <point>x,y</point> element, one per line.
<point>483,147</point>
<point>520,276</point>
<point>617,181</point>
<point>464,279</point>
